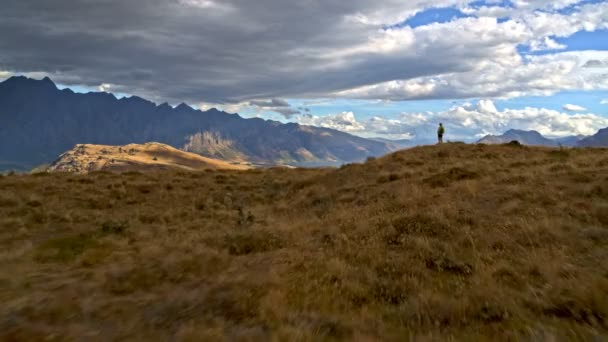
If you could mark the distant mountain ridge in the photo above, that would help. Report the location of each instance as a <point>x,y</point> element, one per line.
<point>571,141</point>
<point>524,137</point>
<point>38,122</point>
<point>532,138</point>
<point>600,139</point>
<point>396,144</point>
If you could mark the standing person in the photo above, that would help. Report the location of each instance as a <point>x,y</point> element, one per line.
<point>440,132</point>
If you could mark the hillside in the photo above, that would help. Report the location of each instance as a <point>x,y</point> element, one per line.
<point>532,138</point>
<point>38,122</point>
<point>397,144</point>
<point>449,242</point>
<point>600,139</point>
<point>133,157</point>
<point>571,141</point>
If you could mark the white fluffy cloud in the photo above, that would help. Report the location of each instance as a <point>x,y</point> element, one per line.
<point>104,87</point>
<point>466,122</point>
<point>344,121</point>
<point>478,120</point>
<point>604,101</point>
<point>233,108</point>
<point>574,108</point>
<point>546,44</point>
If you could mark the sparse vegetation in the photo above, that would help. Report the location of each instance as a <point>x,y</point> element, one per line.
<point>450,242</point>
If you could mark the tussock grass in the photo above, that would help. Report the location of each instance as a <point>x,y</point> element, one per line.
<point>460,242</point>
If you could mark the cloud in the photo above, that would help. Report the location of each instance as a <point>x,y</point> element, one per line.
<point>304,109</point>
<point>467,122</point>
<point>594,63</point>
<point>104,87</point>
<point>546,44</point>
<point>604,101</point>
<point>510,77</point>
<point>473,121</point>
<point>5,75</point>
<point>226,107</point>
<point>235,51</point>
<point>286,112</point>
<point>574,108</point>
<point>276,105</point>
<point>270,103</point>
<point>344,121</point>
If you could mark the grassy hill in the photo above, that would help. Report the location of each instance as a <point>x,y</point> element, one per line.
<point>465,242</point>
<point>86,158</point>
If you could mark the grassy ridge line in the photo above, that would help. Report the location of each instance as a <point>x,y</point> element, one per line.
<point>465,242</point>
<point>86,158</point>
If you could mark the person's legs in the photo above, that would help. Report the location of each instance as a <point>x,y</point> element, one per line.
<point>440,138</point>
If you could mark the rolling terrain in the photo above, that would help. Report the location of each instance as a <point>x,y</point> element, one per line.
<point>134,157</point>
<point>449,242</point>
<point>531,138</point>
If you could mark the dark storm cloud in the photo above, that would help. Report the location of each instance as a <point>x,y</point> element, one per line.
<point>286,112</point>
<point>270,104</point>
<point>276,105</point>
<point>214,51</point>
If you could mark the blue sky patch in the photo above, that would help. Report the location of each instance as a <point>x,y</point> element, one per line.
<point>431,16</point>
<point>584,40</point>
<point>580,41</point>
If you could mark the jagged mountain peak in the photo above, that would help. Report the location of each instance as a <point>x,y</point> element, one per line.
<point>20,82</point>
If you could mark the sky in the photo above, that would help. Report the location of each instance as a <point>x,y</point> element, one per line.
<point>374,68</point>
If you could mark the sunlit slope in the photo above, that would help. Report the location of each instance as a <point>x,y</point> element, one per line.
<point>135,157</point>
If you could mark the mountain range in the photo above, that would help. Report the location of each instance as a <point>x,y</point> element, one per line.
<point>534,138</point>
<point>38,122</point>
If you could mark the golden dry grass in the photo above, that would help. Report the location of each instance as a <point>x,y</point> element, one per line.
<point>452,242</point>
<point>86,158</point>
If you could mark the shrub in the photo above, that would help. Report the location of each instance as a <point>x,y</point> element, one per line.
<point>7,201</point>
<point>114,227</point>
<point>447,265</point>
<point>420,224</point>
<point>252,242</point>
<point>455,174</point>
<point>64,249</point>
<point>561,155</point>
<point>513,143</point>
<point>34,203</point>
